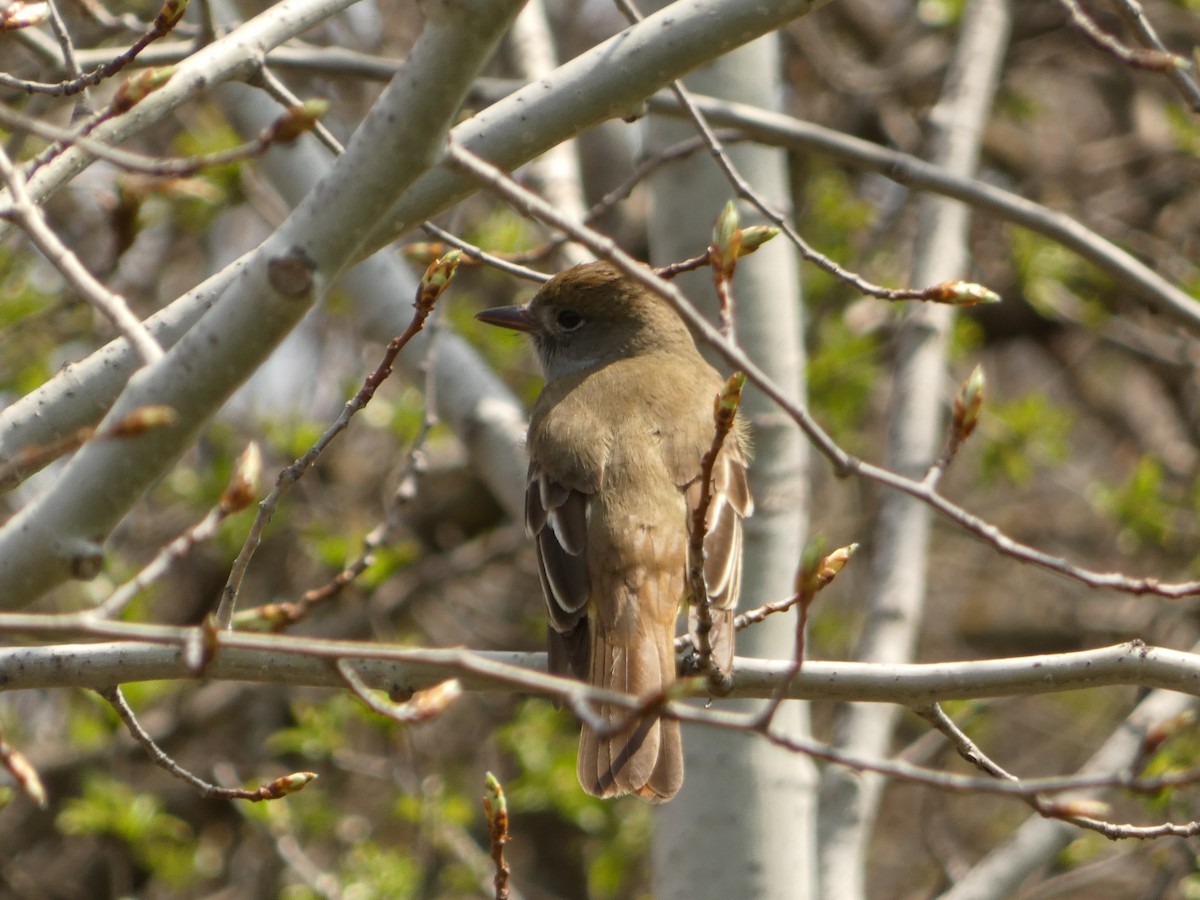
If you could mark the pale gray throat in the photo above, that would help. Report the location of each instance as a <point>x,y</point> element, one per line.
<point>557,364</point>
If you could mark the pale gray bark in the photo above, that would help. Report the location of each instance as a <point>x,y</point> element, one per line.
<point>468,395</point>
<point>743,824</point>
<point>234,57</point>
<point>150,653</point>
<point>556,172</point>
<point>900,543</point>
<point>612,80</point>
<point>609,80</point>
<point>59,535</point>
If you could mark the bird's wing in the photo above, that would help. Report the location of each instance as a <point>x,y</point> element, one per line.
<point>556,518</point>
<point>730,503</point>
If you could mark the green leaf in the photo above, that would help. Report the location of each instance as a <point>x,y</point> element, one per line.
<point>1023,433</point>
<point>160,842</point>
<point>1139,505</point>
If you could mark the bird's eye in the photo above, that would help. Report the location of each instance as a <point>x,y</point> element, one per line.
<point>568,319</point>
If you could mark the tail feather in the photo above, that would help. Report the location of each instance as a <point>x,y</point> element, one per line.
<point>645,756</point>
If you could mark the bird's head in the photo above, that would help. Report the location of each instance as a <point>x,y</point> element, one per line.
<point>593,315</point>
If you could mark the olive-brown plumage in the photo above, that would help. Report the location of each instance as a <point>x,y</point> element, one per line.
<point>615,445</point>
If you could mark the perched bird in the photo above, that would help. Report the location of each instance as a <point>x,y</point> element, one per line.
<point>615,446</point>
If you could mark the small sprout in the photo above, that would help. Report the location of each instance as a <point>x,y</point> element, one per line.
<point>139,421</point>
<point>495,811</point>
<point>725,231</point>
<point>967,406</point>
<point>23,15</point>
<point>268,617</point>
<point>170,14</point>
<point>431,702</point>
<point>833,564</point>
<point>495,806</point>
<point>755,236</point>
<point>243,486</point>
<point>138,87</point>
<point>960,293</point>
<point>296,121</point>
<point>23,773</point>
<point>808,575</point>
<point>436,279</point>
<point>724,251</point>
<point>1078,808</point>
<point>288,784</point>
<point>729,401</point>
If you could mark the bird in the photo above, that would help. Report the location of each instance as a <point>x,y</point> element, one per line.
<point>616,441</point>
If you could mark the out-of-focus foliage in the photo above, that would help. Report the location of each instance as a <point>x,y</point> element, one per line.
<point>161,842</point>
<point>1025,434</point>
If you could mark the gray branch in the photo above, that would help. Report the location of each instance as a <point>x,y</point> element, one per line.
<point>59,535</point>
<point>160,653</point>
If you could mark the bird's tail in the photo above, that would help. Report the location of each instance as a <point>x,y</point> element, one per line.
<point>630,753</point>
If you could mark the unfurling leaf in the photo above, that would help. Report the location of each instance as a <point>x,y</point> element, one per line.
<point>243,486</point>
<point>960,293</point>
<point>967,406</point>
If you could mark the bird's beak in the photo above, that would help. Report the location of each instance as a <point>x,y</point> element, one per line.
<point>515,317</point>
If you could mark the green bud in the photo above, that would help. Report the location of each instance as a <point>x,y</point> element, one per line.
<point>726,227</point>
<point>755,236</point>
<point>968,403</point>
<point>961,293</point>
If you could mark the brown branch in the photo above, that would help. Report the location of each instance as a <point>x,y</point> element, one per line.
<point>725,411</point>
<point>1135,16</point>
<point>843,462</point>
<point>495,810</point>
<point>39,455</point>
<point>22,772</point>
<point>238,494</point>
<point>273,790</point>
<point>166,20</point>
<point>432,285</point>
<point>1150,59</point>
<point>956,293</point>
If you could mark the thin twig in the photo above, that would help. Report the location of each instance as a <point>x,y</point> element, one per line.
<point>1135,17</point>
<point>67,47</point>
<point>420,707</point>
<point>267,80</point>
<point>157,165</point>
<point>480,255</point>
<point>495,810</point>
<point>274,790</point>
<point>241,491</point>
<point>30,458</point>
<point>1152,60</point>
<point>775,217</point>
<point>843,462</point>
<point>111,305</point>
<point>166,20</point>
<point>1068,810</point>
<point>278,616</point>
<point>430,288</point>
<point>725,415</point>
